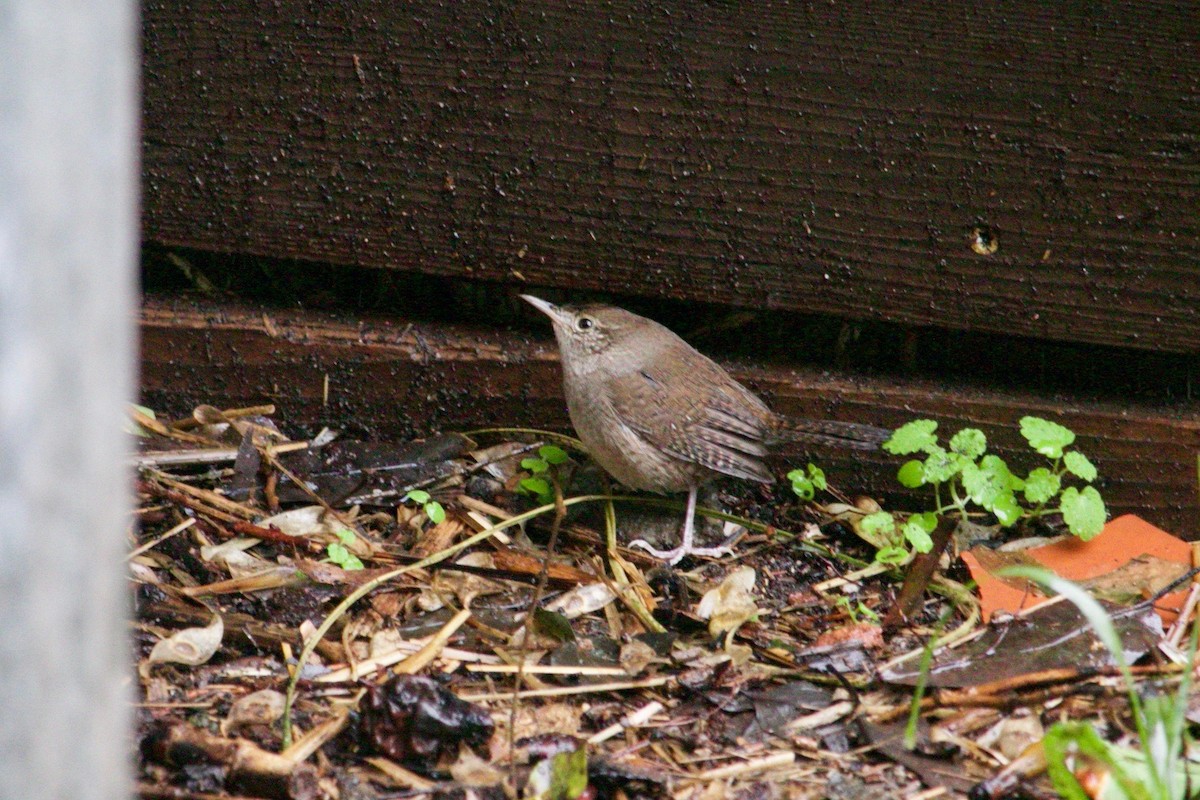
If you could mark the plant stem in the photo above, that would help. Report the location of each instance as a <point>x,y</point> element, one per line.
<point>959,503</point>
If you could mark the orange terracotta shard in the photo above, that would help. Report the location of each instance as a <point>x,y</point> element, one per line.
<point>1129,560</point>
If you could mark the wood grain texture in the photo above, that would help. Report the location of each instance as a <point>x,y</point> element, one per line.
<point>814,156</point>
<point>389,378</point>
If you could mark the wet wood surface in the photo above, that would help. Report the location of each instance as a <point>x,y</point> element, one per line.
<point>1021,167</point>
<point>390,378</point>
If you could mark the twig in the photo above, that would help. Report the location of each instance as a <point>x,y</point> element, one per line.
<point>312,741</point>
<point>566,691</point>
<point>435,645</point>
<point>187,423</point>
<point>624,589</point>
<point>1001,693</point>
<point>1179,627</point>
<point>180,528</point>
<point>917,576</point>
<point>370,586</point>
<point>164,485</point>
<point>184,458</point>
<point>560,512</point>
<point>633,720</point>
<point>778,759</point>
<point>825,716</point>
<point>548,669</point>
<point>368,666</point>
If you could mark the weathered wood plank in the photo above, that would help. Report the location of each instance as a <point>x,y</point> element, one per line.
<point>390,378</point>
<point>821,157</point>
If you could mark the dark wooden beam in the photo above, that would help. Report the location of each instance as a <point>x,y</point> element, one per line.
<point>860,159</point>
<point>383,377</point>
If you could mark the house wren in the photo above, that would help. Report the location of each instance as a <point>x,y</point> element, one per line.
<point>659,415</point>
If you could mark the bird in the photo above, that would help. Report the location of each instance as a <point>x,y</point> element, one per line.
<point>660,416</point>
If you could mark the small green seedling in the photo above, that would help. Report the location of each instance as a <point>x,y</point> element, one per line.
<point>339,552</point>
<point>1160,769</point>
<point>857,611</point>
<point>432,508</point>
<point>895,541</point>
<point>963,473</point>
<point>807,482</point>
<point>542,468</point>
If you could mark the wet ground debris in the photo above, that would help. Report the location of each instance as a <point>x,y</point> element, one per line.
<point>765,674</point>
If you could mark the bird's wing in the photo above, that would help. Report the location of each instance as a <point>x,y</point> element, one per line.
<point>707,426</point>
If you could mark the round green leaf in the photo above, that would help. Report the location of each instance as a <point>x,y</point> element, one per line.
<point>804,488</point>
<point>912,474</point>
<point>1006,509</point>
<point>917,536</point>
<point>942,465</point>
<point>1083,511</point>
<point>553,454</point>
<point>435,512</point>
<point>1041,485</point>
<point>969,442</point>
<point>891,555</point>
<point>537,486</point>
<point>927,520</point>
<point>881,523</point>
<point>989,488</point>
<point>983,487</point>
<point>535,465</point>
<point>553,624</point>
<point>1048,438</point>
<point>914,437</point>
<point>337,552</point>
<point>1079,465</point>
<point>419,496</point>
<point>817,476</point>
<point>879,529</point>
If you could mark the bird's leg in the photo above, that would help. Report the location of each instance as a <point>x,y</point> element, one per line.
<point>685,548</point>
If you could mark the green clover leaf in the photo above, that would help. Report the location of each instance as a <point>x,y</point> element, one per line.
<point>1041,485</point>
<point>538,487</point>
<point>892,554</point>
<point>1006,509</point>
<point>553,454</point>
<point>914,437</point>
<point>1048,438</point>
<point>969,442</point>
<point>942,465</point>
<point>817,476</point>
<point>917,536</point>
<point>1079,465</point>
<point>879,528</point>
<point>806,483</point>
<point>418,496</point>
<point>912,474</point>
<point>1083,511</point>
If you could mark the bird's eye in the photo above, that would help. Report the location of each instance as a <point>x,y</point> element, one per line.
<point>584,323</point>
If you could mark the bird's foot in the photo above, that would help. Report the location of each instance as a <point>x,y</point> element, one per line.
<point>675,555</point>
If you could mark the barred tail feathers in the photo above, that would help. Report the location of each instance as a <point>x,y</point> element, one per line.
<point>850,435</point>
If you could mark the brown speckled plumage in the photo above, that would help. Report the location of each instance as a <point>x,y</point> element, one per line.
<point>659,415</point>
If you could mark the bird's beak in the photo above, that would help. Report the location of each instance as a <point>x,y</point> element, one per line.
<point>549,309</point>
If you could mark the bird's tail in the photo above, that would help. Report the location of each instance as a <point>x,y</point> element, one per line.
<point>828,432</point>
